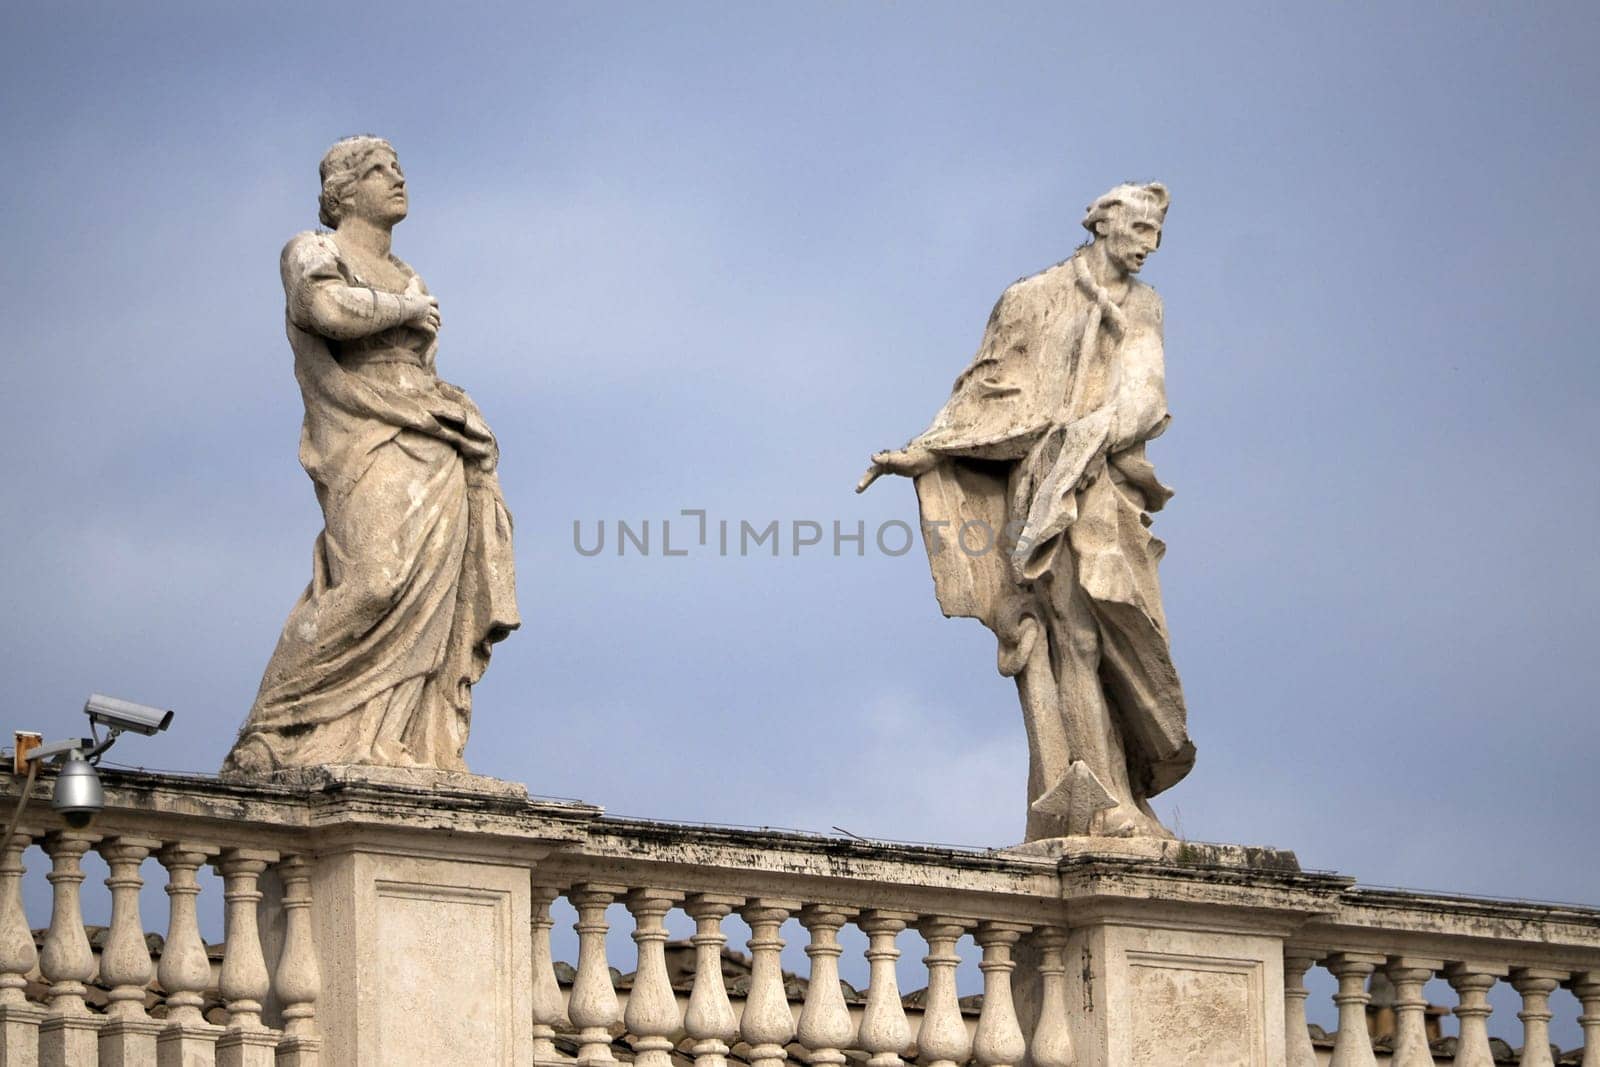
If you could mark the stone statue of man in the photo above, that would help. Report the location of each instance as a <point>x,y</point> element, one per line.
<point>1035,496</point>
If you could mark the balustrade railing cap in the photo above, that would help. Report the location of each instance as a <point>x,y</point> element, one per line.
<point>232,856</point>
<point>1414,963</point>
<point>641,894</point>
<point>1476,968</point>
<point>1538,974</point>
<point>1355,959</point>
<point>134,841</point>
<point>880,916</point>
<point>769,904</point>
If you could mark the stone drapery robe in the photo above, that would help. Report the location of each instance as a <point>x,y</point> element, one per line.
<point>412,575</point>
<point>1024,420</point>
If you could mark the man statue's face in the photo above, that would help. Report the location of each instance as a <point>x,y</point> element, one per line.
<point>379,194</point>
<point>1131,234</point>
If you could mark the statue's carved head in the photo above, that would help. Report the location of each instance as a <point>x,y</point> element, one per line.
<point>1128,221</point>
<point>362,175</point>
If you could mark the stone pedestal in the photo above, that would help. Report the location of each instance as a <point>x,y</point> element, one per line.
<point>185,1044</point>
<point>1174,952</point>
<point>69,1040</point>
<point>420,910</point>
<point>300,1052</point>
<point>128,1042</point>
<point>423,960</point>
<point>19,1035</point>
<point>246,1048</point>
<point>1162,852</point>
<point>1153,998</point>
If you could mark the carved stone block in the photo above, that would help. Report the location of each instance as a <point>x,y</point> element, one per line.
<point>1154,997</point>
<point>423,960</point>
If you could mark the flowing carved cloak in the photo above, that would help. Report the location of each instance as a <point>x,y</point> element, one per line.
<point>1014,434</point>
<point>412,576</point>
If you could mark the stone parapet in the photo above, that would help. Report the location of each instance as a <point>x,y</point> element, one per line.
<point>376,917</point>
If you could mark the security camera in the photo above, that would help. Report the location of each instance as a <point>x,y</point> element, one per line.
<point>78,796</point>
<point>119,715</point>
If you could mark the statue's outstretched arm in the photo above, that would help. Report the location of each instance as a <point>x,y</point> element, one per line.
<point>980,420</point>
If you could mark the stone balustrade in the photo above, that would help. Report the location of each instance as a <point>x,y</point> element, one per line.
<point>388,920</point>
<point>66,1033</point>
<point>1472,944</point>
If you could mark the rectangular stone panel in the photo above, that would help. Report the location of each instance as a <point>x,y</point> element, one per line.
<point>447,988</point>
<point>1195,1010</point>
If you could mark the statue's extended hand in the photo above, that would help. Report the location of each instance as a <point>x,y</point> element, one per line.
<point>907,462</point>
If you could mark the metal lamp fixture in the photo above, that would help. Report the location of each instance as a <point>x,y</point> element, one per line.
<point>78,796</point>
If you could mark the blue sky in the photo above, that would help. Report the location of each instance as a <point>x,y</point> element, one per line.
<point>712,257</point>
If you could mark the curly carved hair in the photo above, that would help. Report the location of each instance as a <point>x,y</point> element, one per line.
<point>341,168</point>
<point>1153,198</point>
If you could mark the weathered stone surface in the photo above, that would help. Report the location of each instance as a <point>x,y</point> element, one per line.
<point>1161,851</point>
<point>412,576</point>
<point>409,779</point>
<point>1191,1015</point>
<point>1035,495</point>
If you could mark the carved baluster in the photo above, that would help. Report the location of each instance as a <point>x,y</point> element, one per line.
<point>884,1032</point>
<point>298,981</point>
<point>1298,1050</point>
<point>593,1002</point>
<point>652,1015</point>
<point>19,1020</point>
<point>942,1039</point>
<point>1409,975</point>
<point>767,1025</point>
<point>1052,1041</point>
<point>549,1009</point>
<point>1472,982</point>
<point>825,1028</point>
<point>185,969</point>
<point>998,1041</point>
<point>68,1035</point>
<point>709,1020</point>
<point>1535,985</point>
<point>128,1038</point>
<point>245,983</point>
<point>1586,987</point>
<point>1352,1045</point>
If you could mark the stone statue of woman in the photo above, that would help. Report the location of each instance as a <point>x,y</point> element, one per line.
<point>412,579</point>
<point>1035,495</point>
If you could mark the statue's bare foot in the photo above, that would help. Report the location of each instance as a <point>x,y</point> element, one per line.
<point>1152,825</point>
<point>250,758</point>
<point>388,753</point>
<point>1120,821</point>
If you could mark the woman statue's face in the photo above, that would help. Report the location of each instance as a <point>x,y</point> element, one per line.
<point>379,193</point>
